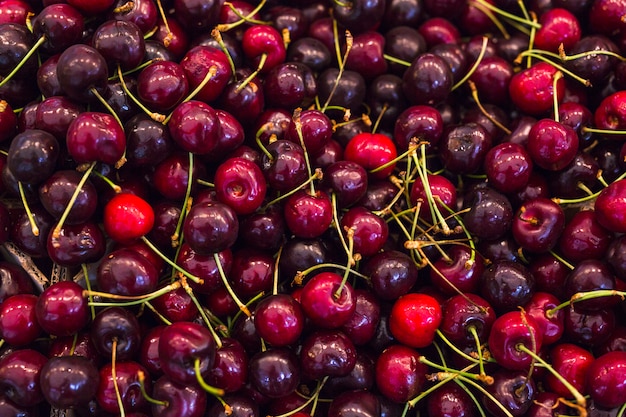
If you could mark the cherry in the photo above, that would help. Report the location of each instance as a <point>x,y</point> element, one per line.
<point>514,390</point>
<point>386,99</point>
<point>148,142</point>
<point>508,166</point>
<point>532,89</point>
<point>362,325</point>
<point>240,184</point>
<point>195,127</point>
<point>415,311</point>
<point>171,176</point>
<point>327,353</point>
<point>17,42</point>
<point>363,402</point>
<point>275,372</point>
<point>538,224</point>
<point>400,375</point>
<point>558,27</point>
<point>264,230</point>
<point>127,272</point>
<point>369,231</point>
<point>359,15</point>
<point>465,318</point>
<point>552,145</point>
<point>263,46</point>
<point>69,381</point>
<point>584,238</point>
<point>551,325</point>
<point>510,330</point>
<point>54,115</point>
<point>116,329</point>
<point>172,37</point>
<point>428,80</point>
<point>459,270</point>
<point>463,147</point>
<point>328,301</point>
<point>162,85</point>
<point>284,165</point>
<point>61,309</point>
<point>20,372</point>
<point>182,347</point>
<point>82,72</point>
<point>589,275</point>
<point>403,42</point>
<point>59,25</point>
<point>439,31</point>
<point>608,204</point>
<point>490,213</point>
<point>210,227</point>
<point>230,368</point>
<point>143,13</point>
<point>290,85</point>
<point>238,406</point>
<point>126,378</point>
<point>392,274</point>
<point>32,156</point>
<point>8,121</point>
<point>279,320</point>
<point>196,64</point>
<point>316,129</point>
<point>127,217</point>
<point>120,42</point>
<point>376,152</point>
<point>441,190</point>
<point>506,284</point>
<point>572,363</point>
<point>18,321</point>
<point>197,16</point>
<point>605,379</point>
<point>176,399</point>
<point>589,328</point>
<point>308,215</point>
<point>95,136</point>
<point>15,11</point>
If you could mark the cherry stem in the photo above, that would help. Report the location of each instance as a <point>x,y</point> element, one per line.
<point>175,238</point>
<point>533,342</point>
<point>316,176</point>
<point>141,375</point>
<point>583,296</point>
<point>120,404</point>
<point>90,294</point>
<point>492,17</point>
<point>508,15</point>
<point>411,151</point>
<point>250,77</point>
<point>555,97</point>
<point>57,230</point>
<point>561,68</point>
<point>128,300</point>
<point>275,273</point>
<point>434,207</point>
<point>581,402</point>
<point>23,61</point>
<point>205,318</point>
<point>479,350</point>
<point>299,278</point>
<point>161,317</point>
<point>171,263</point>
<point>471,71</point>
<point>217,392</point>
<point>474,92</point>
<point>217,35</point>
<point>352,258</point>
<point>560,259</point>
<point>459,351</point>
<point>336,223</point>
<point>207,77</point>
<point>312,399</point>
<point>397,60</point>
<point>116,188</point>
<point>298,125</point>
<point>29,214</point>
<point>484,379</point>
<point>243,19</point>
<point>531,36</point>
<point>342,62</point>
<point>487,394</point>
<point>168,38</point>
<point>230,290</point>
<point>157,117</point>
<point>587,129</point>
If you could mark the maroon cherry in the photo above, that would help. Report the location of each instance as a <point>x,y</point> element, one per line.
<point>508,332</point>
<point>197,63</point>
<point>18,320</point>
<point>327,352</point>
<point>95,136</point>
<point>20,372</point>
<point>538,224</point>
<point>240,184</point>
<point>126,381</point>
<point>176,399</point>
<point>116,328</point>
<point>162,85</point>
<point>195,127</point>
<point>369,231</point>
<point>308,215</point>
<point>508,166</point>
<point>69,381</point>
<point>609,205</point>
<point>552,145</point>
<point>584,238</point>
<point>400,376</point>
<point>210,227</point>
<point>572,363</point>
<point>62,309</point>
<point>531,89</point>
<point>327,301</point>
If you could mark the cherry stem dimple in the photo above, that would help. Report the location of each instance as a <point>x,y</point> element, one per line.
<point>581,402</point>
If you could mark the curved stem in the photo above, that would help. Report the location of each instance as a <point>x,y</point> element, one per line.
<point>24,59</point>
<point>57,230</point>
<point>218,392</point>
<point>469,73</point>
<point>231,292</point>
<point>120,403</point>
<point>29,214</point>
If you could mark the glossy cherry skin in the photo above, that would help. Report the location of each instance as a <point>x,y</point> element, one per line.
<point>69,381</point>
<point>490,213</point>
<point>610,114</point>
<point>513,389</point>
<point>32,156</point>
<point>609,207</point>
<point>279,319</point>
<point>127,272</point>
<point>590,275</point>
<point>414,319</point>
<point>400,375</point>
<point>195,127</point>
<point>372,150</point>
<point>392,274</point>
<point>507,284</point>
<point>461,313</point>
<point>171,176</point>
<point>127,217</point>
<point>362,325</point>
<point>20,372</point>
<point>442,191</point>
<point>80,69</point>
<point>450,400</point>
<point>128,384</point>
<point>240,184</point>
<point>584,238</point>
<point>327,353</point>
<point>370,230</point>
<point>275,372</point>
<point>196,64</point>
<point>210,227</point>
<point>261,40</point>
<point>95,136</point>
<point>230,368</point>
<point>363,402</point>
<point>558,26</point>
<point>428,80</point>
<point>552,145</point>
<point>308,215</point>
<point>56,191</point>
<point>321,303</point>
<point>62,309</point>
<point>116,328</point>
<point>550,325</point>
<point>178,399</point>
<point>61,24</point>
<point>162,85</point>
<point>538,224</point>
<point>531,90</point>
<point>18,321</point>
<point>461,269</point>
<point>571,362</point>
<point>182,344</point>
<point>605,379</point>
<point>508,331</point>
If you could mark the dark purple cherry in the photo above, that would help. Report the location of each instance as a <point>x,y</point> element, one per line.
<point>69,381</point>
<point>490,213</point>
<point>16,41</point>
<point>462,148</point>
<point>20,372</point>
<point>61,25</point>
<point>116,328</point>
<point>589,328</point>
<point>349,93</point>
<point>428,80</point>
<point>120,42</point>
<point>420,121</point>
<point>210,227</point>
<point>127,383</point>
<point>284,165</point>
<point>162,85</point>
<point>506,285</point>
<point>127,272</point>
<point>514,390</point>
<point>56,192</point>
<point>275,372</point>
<point>405,43</point>
<point>81,70</point>
<point>148,142</point>
<point>75,244</point>
<point>310,52</point>
<point>460,270</point>
<point>466,315</point>
<point>13,280</point>
<point>239,406</point>
<point>264,229</point>
<point>143,13</point>
<point>175,398</point>
<point>21,232</point>
<point>290,85</point>
<point>347,180</point>
<point>357,402</point>
<point>55,113</point>
<point>327,353</point>
<point>359,15</point>
<point>392,274</point>
<point>538,224</point>
<point>590,275</point>
<point>32,156</point>
<point>362,325</point>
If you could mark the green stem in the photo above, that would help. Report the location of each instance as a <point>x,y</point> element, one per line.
<point>88,286</point>
<point>171,263</point>
<point>471,71</point>
<point>218,392</point>
<point>26,57</point>
<point>29,214</point>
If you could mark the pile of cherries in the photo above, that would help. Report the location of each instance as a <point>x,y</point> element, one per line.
<point>330,208</point>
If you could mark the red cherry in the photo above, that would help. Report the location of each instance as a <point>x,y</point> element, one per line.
<point>606,378</point>
<point>610,207</point>
<point>127,217</point>
<point>372,150</point>
<point>508,332</point>
<point>558,26</point>
<point>414,318</point>
<point>240,183</point>
<point>531,90</point>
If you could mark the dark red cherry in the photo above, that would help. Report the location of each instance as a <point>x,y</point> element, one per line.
<point>608,206</point>
<point>210,227</point>
<point>465,317</point>
<point>370,231</point>
<point>197,63</point>
<point>240,184</point>
<point>175,398</point>
<point>126,382</point>
<point>56,191</point>
<point>400,376</point>
<point>162,85</point>
<point>506,284</point>
<point>428,80</point>
<point>171,176</point>
<point>308,215</point>
<point>440,189</point>
<point>590,275</point>
<point>15,11</point>
<point>127,272</point>
<point>327,353</point>
<point>275,372</point>
<point>116,328</point>
<point>143,13</point>
<point>450,400</point>
<point>459,270</point>
<point>69,381</point>
<point>362,325</point>
<point>538,224</point>
<point>609,114</point>
<point>605,379</point>
<point>552,145</point>
<point>290,85</point>
<point>438,31</point>
<point>508,167</point>
<point>182,344</point>
<point>463,147</point>
<point>551,325</point>
<point>421,121</point>
<point>512,389</point>
<point>359,15</point>
<point>490,213</point>
<point>531,89</point>
<point>326,301</point>
<point>195,127</point>
<point>20,372</point>
<point>392,274</point>
<point>62,309</point>
<point>584,238</point>
<point>61,25</point>
<point>558,27</point>
<point>95,136</point>
<point>18,320</point>
<point>510,330</point>
<point>316,130</point>
<point>197,16</point>
<point>279,320</point>
<point>589,328</point>
<point>346,90</point>
<point>230,368</point>
<point>363,402</point>
<point>80,70</point>
<point>120,42</point>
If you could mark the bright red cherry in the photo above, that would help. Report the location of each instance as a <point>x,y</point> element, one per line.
<point>127,217</point>
<point>531,89</point>
<point>372,150</point>
<point>414,319</point>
